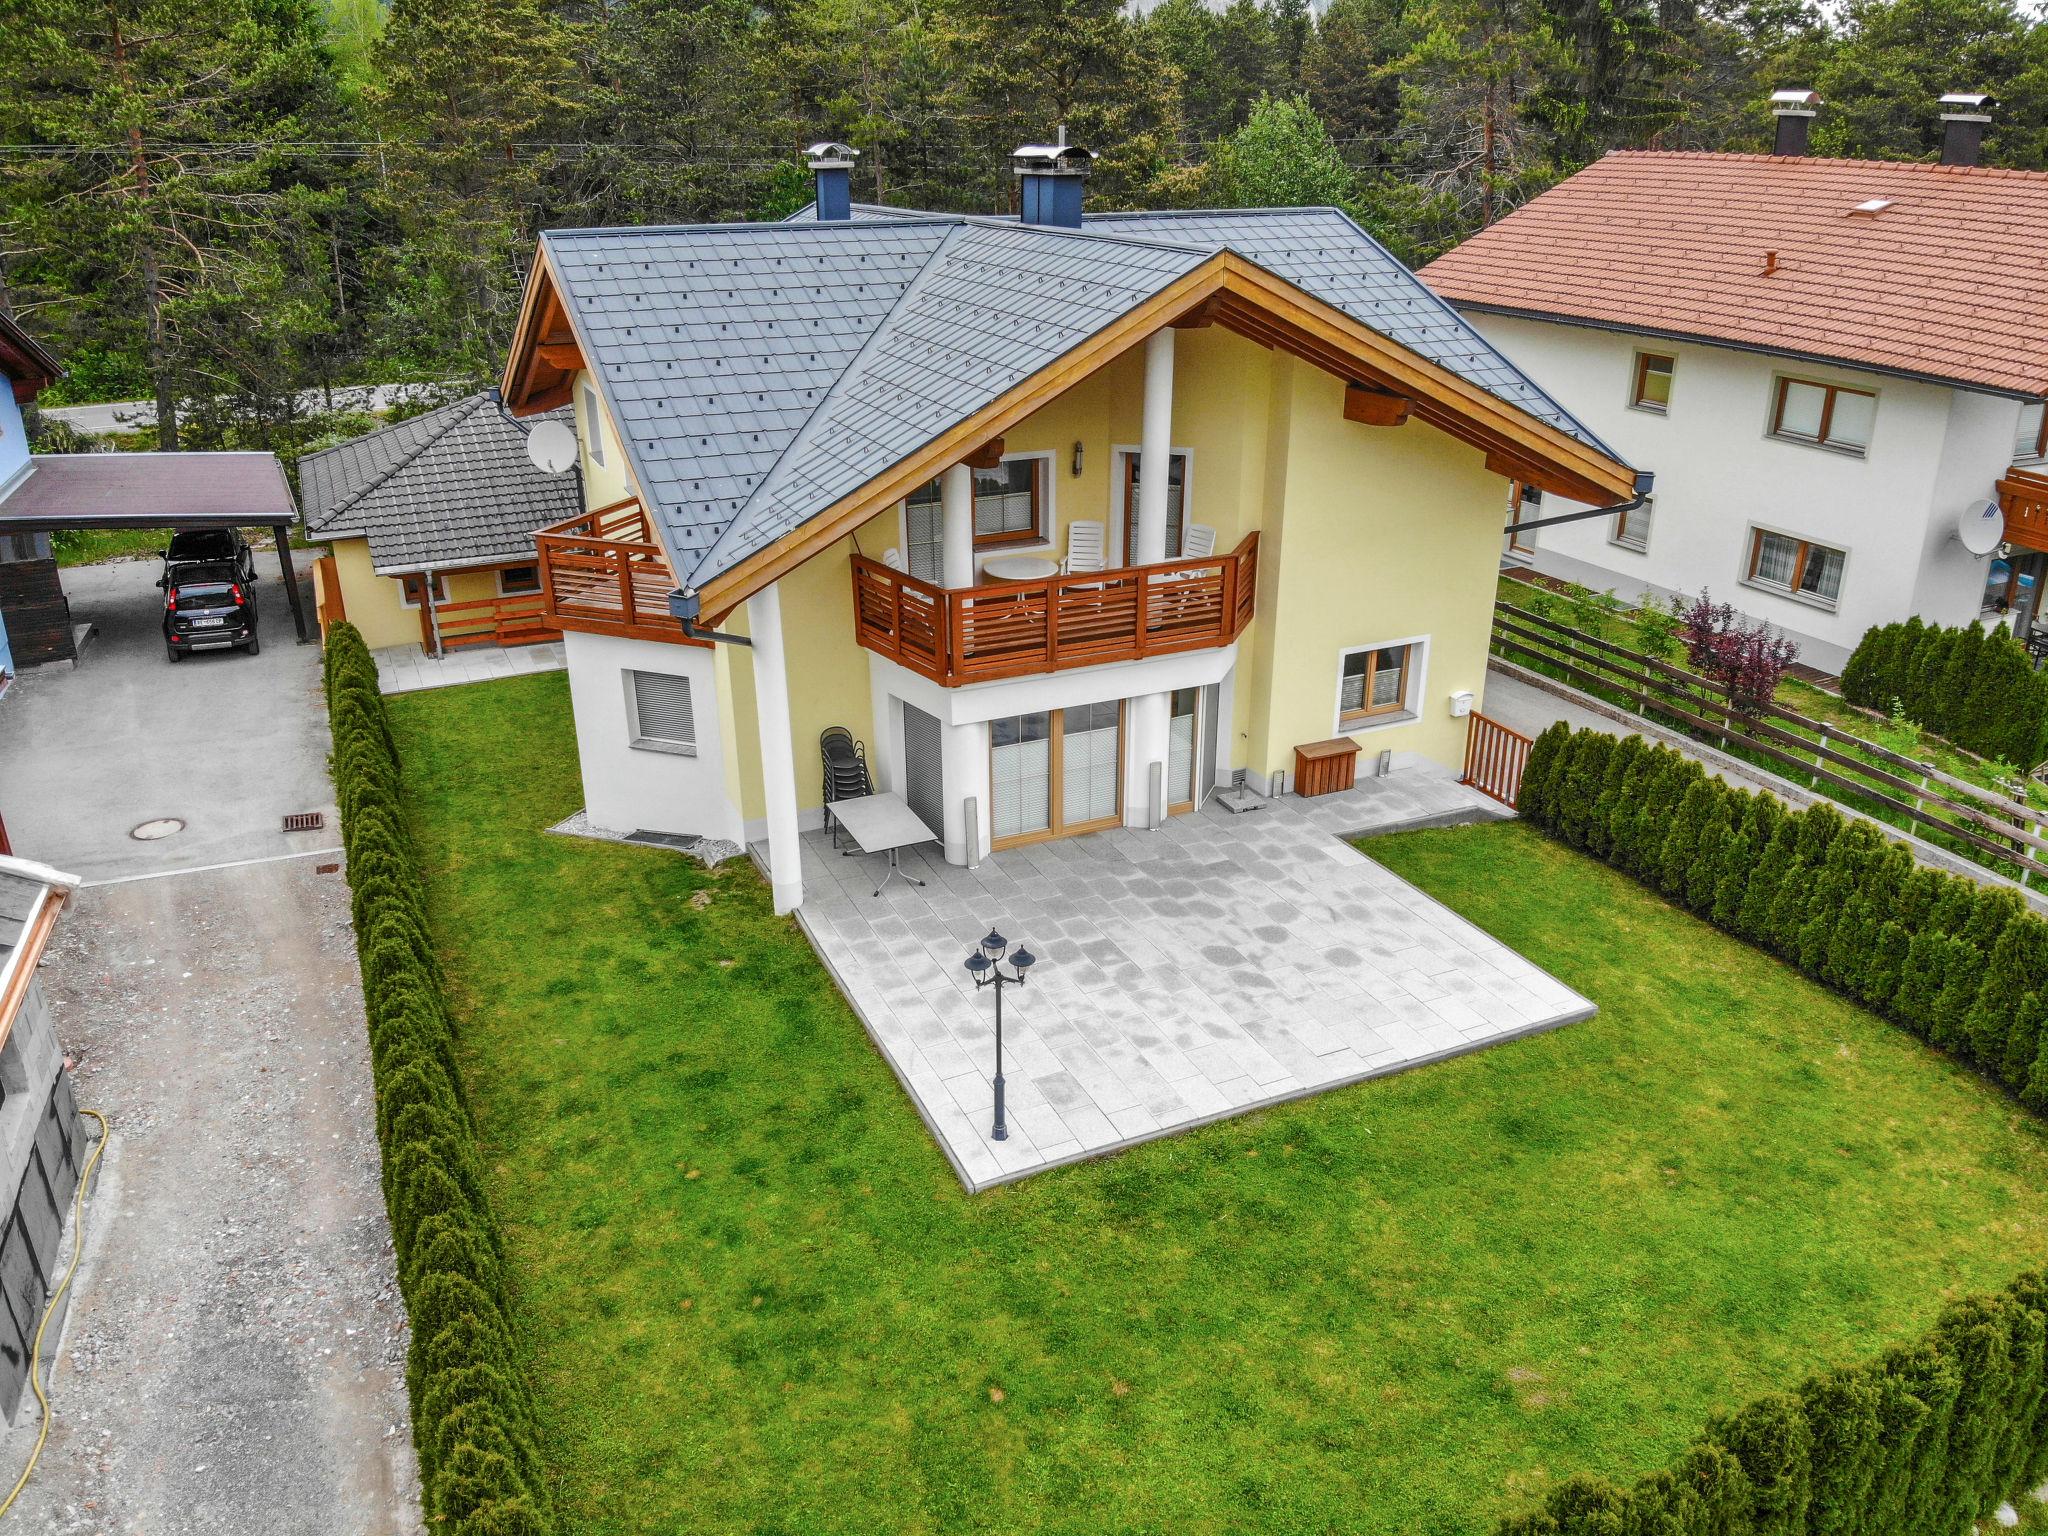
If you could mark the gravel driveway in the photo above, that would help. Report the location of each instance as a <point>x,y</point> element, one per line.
<point>233,1360</point>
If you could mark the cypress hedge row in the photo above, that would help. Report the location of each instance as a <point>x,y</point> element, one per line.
<point>1979,690</point>
<point>472,1411</point>
<point>1929,1436</point>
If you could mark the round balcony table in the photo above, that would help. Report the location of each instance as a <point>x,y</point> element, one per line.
<point>1020,568</point>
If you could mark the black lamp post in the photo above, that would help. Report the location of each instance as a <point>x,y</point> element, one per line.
<point>985,965</point>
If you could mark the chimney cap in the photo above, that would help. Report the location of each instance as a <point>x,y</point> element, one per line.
<point>1965,105</point>
<point>1051,160</point>
<point>827,155</point>
<point>1795,101</point>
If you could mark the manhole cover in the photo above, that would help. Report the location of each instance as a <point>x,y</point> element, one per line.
<point>163,826</point>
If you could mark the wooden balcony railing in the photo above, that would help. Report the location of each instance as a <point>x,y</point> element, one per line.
<point>2023,498</point>
<point>604,573</point>
<point>518,620</point>
<point>1011,628</point>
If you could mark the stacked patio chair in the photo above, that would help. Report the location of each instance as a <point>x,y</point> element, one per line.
<point>846,771</point>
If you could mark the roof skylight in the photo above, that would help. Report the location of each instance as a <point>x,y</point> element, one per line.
<point>1872,207</point>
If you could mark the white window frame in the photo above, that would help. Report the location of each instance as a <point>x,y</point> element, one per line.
<point>2033,455</point>
<point>1750,556</point>
<point>437,584</point>
<point>1648,512</point>
<point>532,591</point>
<point>1119,452</point>
<point>593,416</point>
<point>1411,706</point>
<point>1048,513</point>
<point>630,678</point>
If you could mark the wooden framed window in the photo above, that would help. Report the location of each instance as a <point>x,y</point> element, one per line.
<point>1055,773</point>
<point>2031,441</point>
<point>1796,567</point>
<point>1652,388</point>
<point>1632,528</point>
<point>1823,415</point>
<point>1525,504</point>
<point>1375,681</point>
<point>1009,508</point>
<point>410,588</point>
<point>518,580</point>
<point>660,714</point>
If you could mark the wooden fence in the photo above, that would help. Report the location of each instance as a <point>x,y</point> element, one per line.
<point>1989,827</point>
<point>1494,759</point>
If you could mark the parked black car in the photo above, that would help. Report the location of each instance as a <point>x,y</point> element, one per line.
<point>208,606</point>
<point>188,544</point>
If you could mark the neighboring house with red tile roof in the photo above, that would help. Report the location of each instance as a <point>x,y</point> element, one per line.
<point>1825,363</point>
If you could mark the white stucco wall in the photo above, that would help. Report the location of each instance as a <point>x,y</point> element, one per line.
<point>13,440</point>
<point>1719,472</point>
<point>628,788</point>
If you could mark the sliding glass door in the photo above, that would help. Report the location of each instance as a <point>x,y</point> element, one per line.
<point>1056,772</point>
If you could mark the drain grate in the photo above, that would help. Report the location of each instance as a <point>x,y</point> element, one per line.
<point>665,839</point>
<point>305,821</point>
<point>325,869</point>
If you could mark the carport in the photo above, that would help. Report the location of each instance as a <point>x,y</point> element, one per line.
<point>159,490</point>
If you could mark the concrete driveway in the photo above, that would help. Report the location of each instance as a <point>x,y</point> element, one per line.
<point>224,742</point>
<point>233,1359</point>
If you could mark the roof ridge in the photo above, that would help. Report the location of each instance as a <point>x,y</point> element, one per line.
<point>402,462</point>
<point>1764,156</point>
<point>803,435</point>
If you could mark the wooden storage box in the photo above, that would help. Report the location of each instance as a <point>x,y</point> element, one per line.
<point>1325,767</point>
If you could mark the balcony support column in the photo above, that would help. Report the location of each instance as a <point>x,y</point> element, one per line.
<point>778,758</point>
<point>1155,449</point>
<point>956,526</point>
<point>964,772</point>
<point>1146,717</point>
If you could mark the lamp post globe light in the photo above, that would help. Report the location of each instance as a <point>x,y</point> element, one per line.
<point>985,965</point>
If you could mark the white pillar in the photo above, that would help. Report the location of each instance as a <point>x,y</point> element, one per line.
<point>1147,715</point>
<point>778,757</point>
<point>1155,449</point>
<point>963,758</point>
<point>1146,718</point>
<point>956,526</point>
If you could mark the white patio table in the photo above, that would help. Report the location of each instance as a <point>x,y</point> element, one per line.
<point>883,824</point>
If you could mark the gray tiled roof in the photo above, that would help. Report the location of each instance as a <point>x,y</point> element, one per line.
<point>759,372</point>
<point>450,487</point>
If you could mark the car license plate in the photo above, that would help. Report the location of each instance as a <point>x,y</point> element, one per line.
<point>208,623</point>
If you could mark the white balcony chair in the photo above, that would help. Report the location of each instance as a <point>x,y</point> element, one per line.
<point>1087,549</point>
<point>1198,542</point>
<point>892,557</point>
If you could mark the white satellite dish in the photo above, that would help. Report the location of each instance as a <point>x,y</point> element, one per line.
<point>552,447</point>
<point>1980,526</point>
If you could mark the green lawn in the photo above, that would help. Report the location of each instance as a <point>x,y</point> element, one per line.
<point>759,1301</point>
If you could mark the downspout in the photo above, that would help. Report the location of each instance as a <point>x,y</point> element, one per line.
<point>1645,480</point>
<point>683,605</point>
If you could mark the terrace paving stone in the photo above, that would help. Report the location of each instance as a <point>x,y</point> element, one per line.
<point>1223,963</point>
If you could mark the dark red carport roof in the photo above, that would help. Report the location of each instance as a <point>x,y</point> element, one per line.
<point>149,490</point>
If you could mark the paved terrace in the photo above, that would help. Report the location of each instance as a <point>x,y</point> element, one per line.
<point>407,669</point>
<point>1223,963</point>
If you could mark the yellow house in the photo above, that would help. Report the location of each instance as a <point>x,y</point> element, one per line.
<point>1066,520</point>
<point>430,525</point>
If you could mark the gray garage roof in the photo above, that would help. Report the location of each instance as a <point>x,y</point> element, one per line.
<point>448,488</point>
<point>757,373</point>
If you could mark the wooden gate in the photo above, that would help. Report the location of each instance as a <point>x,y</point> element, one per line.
<point>1494,759</point>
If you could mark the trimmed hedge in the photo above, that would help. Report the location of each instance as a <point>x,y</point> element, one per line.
<point>1925,1438</point>
<point>472,1409</point>
<point>1979,690</point>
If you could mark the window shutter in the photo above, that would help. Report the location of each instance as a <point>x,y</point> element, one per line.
<point>662,710</point>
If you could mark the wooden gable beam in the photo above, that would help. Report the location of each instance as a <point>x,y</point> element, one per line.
<point>988,456</point>
<point>1375,407</point>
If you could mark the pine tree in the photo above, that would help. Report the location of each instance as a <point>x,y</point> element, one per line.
<point>1991,912</point>
<point>1623,757</point>
<point>1816,827</point>
<point>1835,882</point>
<point>2017,967</point>
<point>1547,754</point>
<point>1767,881</point>
<point>1682,840</point>
<point>1590,751</point>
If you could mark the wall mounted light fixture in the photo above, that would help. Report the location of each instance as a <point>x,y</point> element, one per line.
<point>1077,458</point>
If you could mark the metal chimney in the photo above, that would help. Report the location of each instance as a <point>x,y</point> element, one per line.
<point>1795,111</point>
<point>832,171</point>
<point>1051,178</point>
<point>1965,116</point>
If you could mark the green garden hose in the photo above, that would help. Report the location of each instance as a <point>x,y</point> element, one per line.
<point>35,1355</point>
